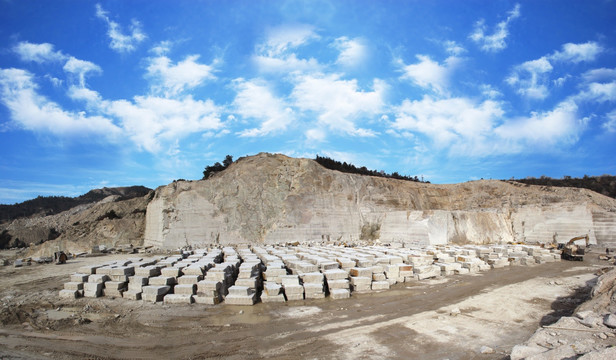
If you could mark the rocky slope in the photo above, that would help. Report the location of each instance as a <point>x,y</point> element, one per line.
<point>116,219</point>
<point>273,198</point>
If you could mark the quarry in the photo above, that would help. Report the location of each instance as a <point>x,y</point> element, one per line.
<point>280,258</point>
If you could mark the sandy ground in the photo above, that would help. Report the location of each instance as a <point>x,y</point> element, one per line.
<point>446,318</point>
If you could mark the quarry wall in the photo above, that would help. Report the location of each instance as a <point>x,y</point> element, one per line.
<point>269,199</point>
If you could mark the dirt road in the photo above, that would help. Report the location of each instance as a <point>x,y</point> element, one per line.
<point>447,318</point>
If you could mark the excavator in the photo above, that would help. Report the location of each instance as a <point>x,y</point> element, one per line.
<point>573,252</point>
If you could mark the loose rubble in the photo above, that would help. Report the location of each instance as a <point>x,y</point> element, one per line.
<point>248,275</point>
<point>589,334</point>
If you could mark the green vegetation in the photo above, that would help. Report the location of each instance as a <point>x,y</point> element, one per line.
<point>604,184</point>
<point>217,167</point>
<point>352,169</point>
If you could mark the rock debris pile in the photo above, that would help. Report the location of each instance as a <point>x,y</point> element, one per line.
<point>245,276</point>
<point>590,334</point>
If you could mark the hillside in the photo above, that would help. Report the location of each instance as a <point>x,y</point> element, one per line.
<point>49,205</point>
<point>604,184</point>
<point>108,216</point>
<point>273,198</point>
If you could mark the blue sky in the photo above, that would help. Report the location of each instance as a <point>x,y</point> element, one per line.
<point>121,93</point>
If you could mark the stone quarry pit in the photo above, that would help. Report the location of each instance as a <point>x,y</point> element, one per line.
<point>479,314</point>
<point>280,258</point>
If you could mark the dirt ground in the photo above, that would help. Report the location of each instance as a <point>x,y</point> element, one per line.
<point>446,318</point>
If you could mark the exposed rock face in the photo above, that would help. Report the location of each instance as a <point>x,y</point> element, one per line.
<point>111,222</point>
<point>273,198</point>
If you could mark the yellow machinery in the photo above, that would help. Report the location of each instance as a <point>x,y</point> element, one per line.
<point>574,252</point>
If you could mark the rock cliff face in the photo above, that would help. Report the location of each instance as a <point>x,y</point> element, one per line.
<point>273,198</point>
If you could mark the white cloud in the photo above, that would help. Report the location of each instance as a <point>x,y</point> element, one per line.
<point>469,128</point>
<point>81,93</point>
<point>339,104</point>
<point>610,124</point>
<point>35,112</point>
<point>276,54</point>
<point>81,68</point>
<point>497,40</point>
<point>453,48</point>
<point>287,64</point>
<point>150,121</point>
<point>316,135</point>
<point>599,92</point>
<point>600,74</point>
<point>529,78</point>
<point>578,52</point>
<point>121,42</point>
<point>489,92</point>
<point>254,100</point>
<point>281,39</point>
<point>39,53</point>
<point>352,51</point>
<point>556,127</point>
<point>173,79</point>
<point>430,74</point>
<point>459,123</point>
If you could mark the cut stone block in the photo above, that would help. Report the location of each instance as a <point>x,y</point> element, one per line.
<point>185,289</point>
<point>140,280</point>
<point>132,294</point>
<point>272,289</point>
<point>294,296</point>
<point>69,294</point>
<point>155,290</point>
<point>310,288</point>
<point>340,294</point>
<point>152,297</point>
<point>272,298</point>
<point>335,274</point>
<point>361,280</point>
<point>252,282</point>
<point>208,300</point>
<point>92,289</point>
<point>189,279</point>
<point>237,290</point>
<point>380,285</point>
<point>98,278</point>
<point>148,271</point>
<point>360,272</point>
<point>178,299</point>
<point>240,299</point>
<point>162,280</point>
<point>312,278</point>
<point>118,278</point>
<point>338,284</point>
<point>115,285</point>
<point>289,280</point>
<point>79,277</point>
<point>379,277</point>
<point>294,289</point>
<point>171,272</point>
<point>73,286</point>
<point>123,270</point>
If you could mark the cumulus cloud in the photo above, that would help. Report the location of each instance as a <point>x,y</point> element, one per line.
<point>254,100</point>
<point>459,123</point>
<point>352,51</point>
<point>339,104</point>
<point>598,75</point>
<point>430,74</point>
<point>530,77</point>
<point>453,48</point>
<point>35,112</point>
<point>150,121</point>
<point>276,53</point>
<point>173,79</point>
<point>576,53</point>
<point>497,40</point>
<point>39,53</point>
<point>121,42</point>
<point>468,127</point>
<point>557,126</point>
<point>81,68</point>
